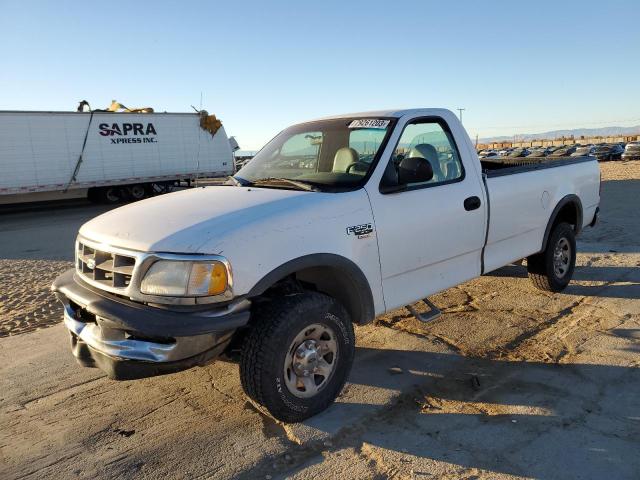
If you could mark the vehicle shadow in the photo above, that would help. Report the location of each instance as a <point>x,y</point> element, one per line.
<point>629,275</point>
<point>512,417</point>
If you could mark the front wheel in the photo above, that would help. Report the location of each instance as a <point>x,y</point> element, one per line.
<point>297,355</point>
<point>552,269</point>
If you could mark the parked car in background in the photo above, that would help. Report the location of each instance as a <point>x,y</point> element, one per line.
<point>539,152</point>
<point>608,152</point>
<point>518,152</point>
<point>565,151</point>
<point>583,151</point>
<point>631,151</point>
<point>535,152</point>
<point>488,154</point>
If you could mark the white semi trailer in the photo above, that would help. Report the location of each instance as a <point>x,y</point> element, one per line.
<point>106,156</point>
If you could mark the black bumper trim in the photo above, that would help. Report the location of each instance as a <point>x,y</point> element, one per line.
<point>114,312</point>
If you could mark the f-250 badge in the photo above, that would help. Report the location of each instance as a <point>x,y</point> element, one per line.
<point>361,231</point>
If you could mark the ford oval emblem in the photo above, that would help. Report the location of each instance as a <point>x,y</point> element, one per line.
<point>91,263</point>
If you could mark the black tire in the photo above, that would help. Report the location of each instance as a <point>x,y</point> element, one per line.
<point>138,191</point>
<point>270,343</point>
<point>543,270</point>
<point>110,195</point>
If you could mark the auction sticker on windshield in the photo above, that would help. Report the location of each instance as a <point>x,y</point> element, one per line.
<point>369,123</point>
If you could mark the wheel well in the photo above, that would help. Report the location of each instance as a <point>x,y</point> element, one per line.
<point>326,273</point>
<point>568,210</point>
<point>569,214</point>
<point>337,284</point>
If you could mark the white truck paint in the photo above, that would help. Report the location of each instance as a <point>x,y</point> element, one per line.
<point>39,151</point>
<point>299,258</point>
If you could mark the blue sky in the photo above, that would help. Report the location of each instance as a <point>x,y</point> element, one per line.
<point>515,66</point>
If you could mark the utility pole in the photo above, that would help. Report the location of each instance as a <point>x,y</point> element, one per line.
<point>461,110</point>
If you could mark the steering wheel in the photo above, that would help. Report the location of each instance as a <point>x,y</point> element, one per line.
<point>359,162</point>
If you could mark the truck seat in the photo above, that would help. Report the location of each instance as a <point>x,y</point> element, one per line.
<point>429,153</point>
<point>344,157</point>
<point>452,169</point>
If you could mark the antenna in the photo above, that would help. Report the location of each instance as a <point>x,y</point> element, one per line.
<point>461,110</point>
<point>200,100</point>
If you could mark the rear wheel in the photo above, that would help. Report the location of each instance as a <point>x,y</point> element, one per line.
<point>297,355</point>
<point>137,192</point>
<point>552,269</point>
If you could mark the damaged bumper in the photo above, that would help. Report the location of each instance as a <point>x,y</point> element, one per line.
<point>130,340</point>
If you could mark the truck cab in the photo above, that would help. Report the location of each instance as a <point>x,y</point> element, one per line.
<point>334,222</point>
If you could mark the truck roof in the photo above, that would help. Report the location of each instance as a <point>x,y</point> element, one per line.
<point>393,113</point>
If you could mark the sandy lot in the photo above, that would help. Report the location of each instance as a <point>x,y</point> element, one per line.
<point>510,382</point>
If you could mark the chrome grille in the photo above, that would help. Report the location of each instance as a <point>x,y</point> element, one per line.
<point>109,269</point>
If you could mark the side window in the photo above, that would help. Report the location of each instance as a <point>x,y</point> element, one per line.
<point>432,142</point>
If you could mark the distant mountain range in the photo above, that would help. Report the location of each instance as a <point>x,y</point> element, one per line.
<point>576,132</point>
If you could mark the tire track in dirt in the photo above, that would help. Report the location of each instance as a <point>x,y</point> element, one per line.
<point>26,301</point>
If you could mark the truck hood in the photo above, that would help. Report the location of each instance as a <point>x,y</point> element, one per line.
<point>194,220</point>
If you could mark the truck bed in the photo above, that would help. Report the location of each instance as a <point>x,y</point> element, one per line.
<point>520,206</point>
<point>508,166</point>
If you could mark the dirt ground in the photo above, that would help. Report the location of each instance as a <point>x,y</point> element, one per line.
<point>509,382</point>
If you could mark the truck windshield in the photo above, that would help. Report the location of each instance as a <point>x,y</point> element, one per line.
<point>328,154</point>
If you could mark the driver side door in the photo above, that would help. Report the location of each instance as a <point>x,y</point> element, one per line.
<point>428,237</point>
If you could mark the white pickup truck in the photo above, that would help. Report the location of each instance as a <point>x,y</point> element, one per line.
<point>333,222</point>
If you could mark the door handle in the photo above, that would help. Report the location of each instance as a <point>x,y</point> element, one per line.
<point>472,203</point>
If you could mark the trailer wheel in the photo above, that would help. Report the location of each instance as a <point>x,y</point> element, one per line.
<point>137,191</point>
<point>110,195</point>
<point>552,269</point>
<point>297,355</point>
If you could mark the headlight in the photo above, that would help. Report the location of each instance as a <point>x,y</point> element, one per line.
<point>185,279</point>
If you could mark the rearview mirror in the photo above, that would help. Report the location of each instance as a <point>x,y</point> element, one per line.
<point>414,170</point>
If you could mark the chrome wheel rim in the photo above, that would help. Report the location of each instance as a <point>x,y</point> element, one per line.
<point>311,360</point>
<point>561,257</point>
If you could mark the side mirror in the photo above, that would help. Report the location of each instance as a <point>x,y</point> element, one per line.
<point>414,170</point>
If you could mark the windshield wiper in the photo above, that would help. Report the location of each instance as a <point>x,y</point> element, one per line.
<point>300,184</point>
<point>233,181</point>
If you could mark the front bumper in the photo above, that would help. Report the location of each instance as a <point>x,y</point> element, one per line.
<point>131,340</point>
